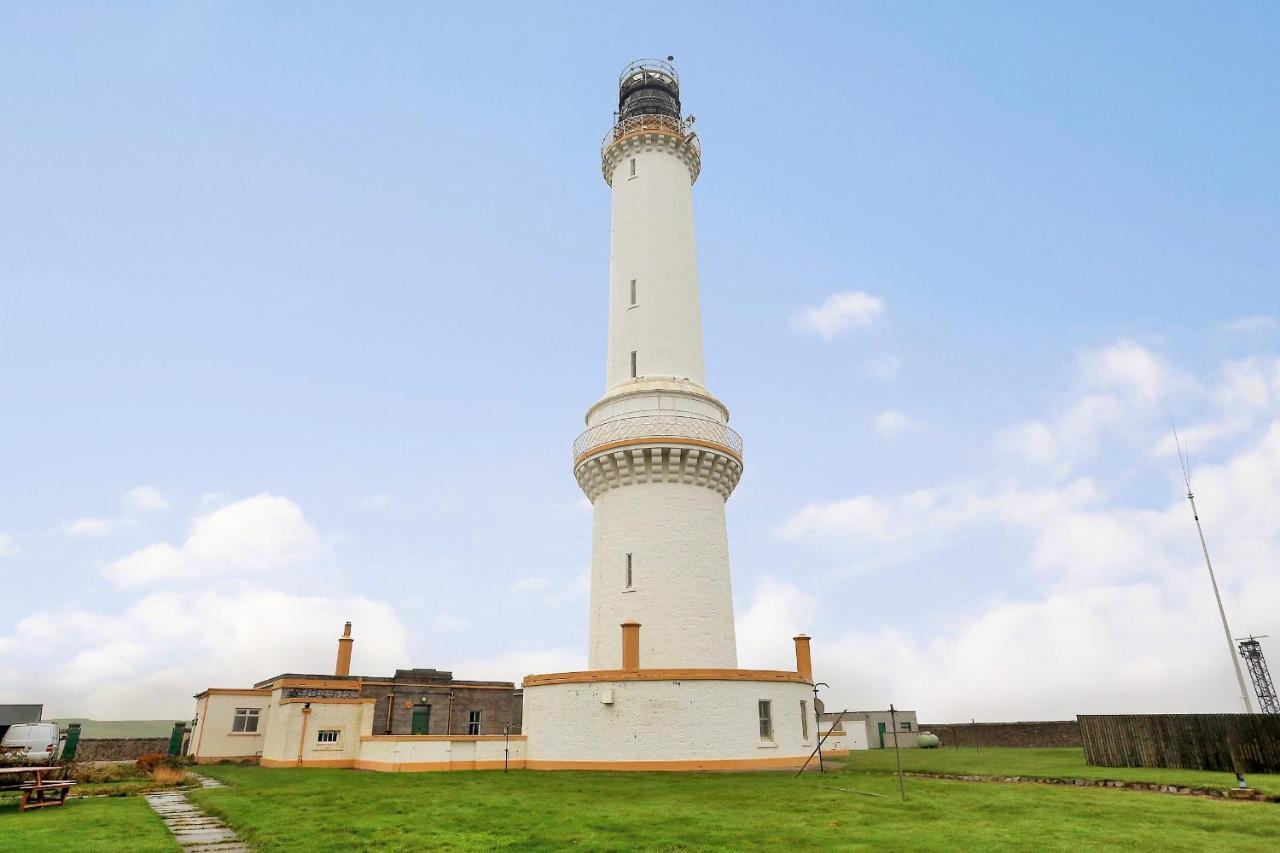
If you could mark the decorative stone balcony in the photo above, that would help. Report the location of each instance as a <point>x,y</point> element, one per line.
<point>684,429</point>
<point>658,449</point>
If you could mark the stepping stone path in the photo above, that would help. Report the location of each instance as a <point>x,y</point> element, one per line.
<point>195,830</point>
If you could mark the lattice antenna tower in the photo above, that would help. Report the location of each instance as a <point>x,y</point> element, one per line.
<point>1184,458</point>
<point>1251,651</point>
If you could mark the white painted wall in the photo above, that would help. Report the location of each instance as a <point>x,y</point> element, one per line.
<point>680,593</point>
<point>664,721</point>
<point>212,737</point>
<point>398,753</point>
<point>653,243</point>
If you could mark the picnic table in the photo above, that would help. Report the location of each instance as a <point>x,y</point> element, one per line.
<point>41,792</point>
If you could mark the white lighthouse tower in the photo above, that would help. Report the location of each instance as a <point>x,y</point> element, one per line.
<point>658,461</point>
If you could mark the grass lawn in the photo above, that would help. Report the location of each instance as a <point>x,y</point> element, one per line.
<point>112,824</point>
<point>1048,763</point>
<point>318,809</point>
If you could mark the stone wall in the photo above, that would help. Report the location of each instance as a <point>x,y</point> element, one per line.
<point>1025,734</point>
<point>119,749</point>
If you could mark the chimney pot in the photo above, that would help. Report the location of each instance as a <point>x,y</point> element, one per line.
<point>804,663</point>
<point>343,666</point>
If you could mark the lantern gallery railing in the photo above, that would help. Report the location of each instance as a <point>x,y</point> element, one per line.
<point>657,427</point>
<point>660,123</point>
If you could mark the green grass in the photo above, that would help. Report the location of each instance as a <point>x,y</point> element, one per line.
<point>530,810</point>
<point>86,826</point>
<point>1049,763</point>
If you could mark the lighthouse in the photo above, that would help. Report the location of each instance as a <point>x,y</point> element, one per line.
<point>658,461</point>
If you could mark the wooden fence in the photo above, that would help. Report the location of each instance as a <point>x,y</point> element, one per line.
<point>1239,743</point>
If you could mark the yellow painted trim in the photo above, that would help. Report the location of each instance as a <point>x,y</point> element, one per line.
<point>682,765</point>
<point>298,700</point>
<point>835,753</point>
<point>214,759</point>
<point>657,439</point>
<point>594,675</point>
<point>430,738</point>
<point>436,766</point>
<point>232,691</point>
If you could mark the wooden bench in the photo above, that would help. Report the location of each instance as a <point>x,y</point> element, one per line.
<point>33,794</point>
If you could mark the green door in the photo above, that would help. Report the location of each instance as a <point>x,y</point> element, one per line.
<point>422,720</point>
<point>879,727</point>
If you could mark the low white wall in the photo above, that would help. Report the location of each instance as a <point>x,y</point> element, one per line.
<point>408,753</point>
<point>664,725</point>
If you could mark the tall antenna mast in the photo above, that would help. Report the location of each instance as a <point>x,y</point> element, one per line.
<point>1231,647</point>
<point>1251,651</point>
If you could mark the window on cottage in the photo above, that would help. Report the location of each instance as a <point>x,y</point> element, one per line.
<point>245,720</point>
<point>766,719</point>
<point>633,364</point>
<point>628,571</point>
<point>327,736</point>
<point>905,726</point>
<point>633,291</point>
<point>804,720</point>
<point>473,723</point>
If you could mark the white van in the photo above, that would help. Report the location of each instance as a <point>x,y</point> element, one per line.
<point>33,740</point>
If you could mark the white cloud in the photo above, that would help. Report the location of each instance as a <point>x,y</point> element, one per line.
<point>88,528</point>
<point>1257,326</point>
<point>8,548</point>
<point>149,659</point>
<point>513,665</point>
<point>882,367</point>
<point>145,499</point>
<point>892,423</point>
<point>1114,611</point>
<point>839,313</point>
<point>375,503</point>
<point>257,535</point>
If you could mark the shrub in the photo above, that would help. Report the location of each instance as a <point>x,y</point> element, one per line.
<point>104,773</point>
<point>166,775</point>
<point>151,761</point>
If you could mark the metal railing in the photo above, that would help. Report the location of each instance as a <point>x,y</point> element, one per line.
<point>641,68</point>
<point>661,123</point>
<point>657,427</point>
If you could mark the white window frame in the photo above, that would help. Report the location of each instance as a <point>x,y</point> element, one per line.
<point>474,719</point>
<point>323,739</point>
<point>242,717</point>
<point>764,711</point>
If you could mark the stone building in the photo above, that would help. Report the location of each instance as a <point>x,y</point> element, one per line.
<point>431,702</point>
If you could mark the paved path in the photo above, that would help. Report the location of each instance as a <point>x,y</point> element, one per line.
<point>195,830</point>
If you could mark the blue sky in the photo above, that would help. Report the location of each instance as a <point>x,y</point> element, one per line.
<point>301,306</point>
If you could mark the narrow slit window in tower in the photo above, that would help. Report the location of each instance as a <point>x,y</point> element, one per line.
<point>804,720</point>
<point>633,291</point>
<point>633,167</point>
<point>633,364</point>
<point>766,719</point>
<point>628,571</point>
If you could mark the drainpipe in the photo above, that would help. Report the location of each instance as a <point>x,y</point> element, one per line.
<point>302,738</point>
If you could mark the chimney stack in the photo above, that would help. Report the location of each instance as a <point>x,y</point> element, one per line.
<point>344,652</point>
<point>630,646</point>
<point>804,663</point>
